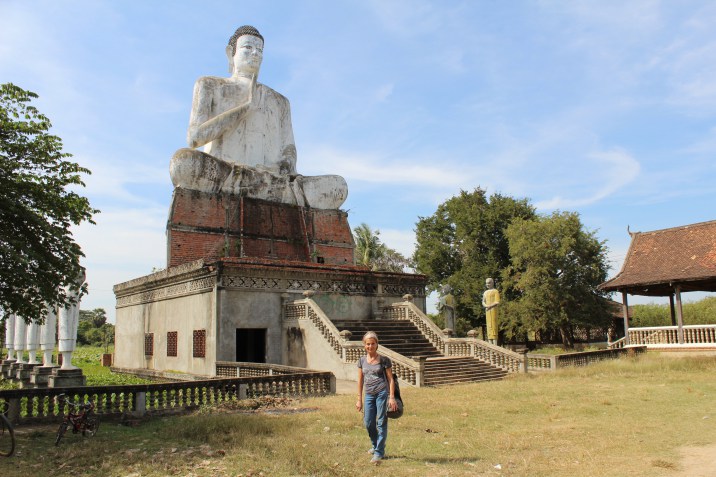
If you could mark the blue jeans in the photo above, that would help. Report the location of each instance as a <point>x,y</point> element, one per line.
<point>375,419</point>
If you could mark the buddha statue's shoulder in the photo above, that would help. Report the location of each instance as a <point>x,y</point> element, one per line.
<point>269,92</point>
<point>213,81</point>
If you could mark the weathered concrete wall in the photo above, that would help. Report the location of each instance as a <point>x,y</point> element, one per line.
<point>249,309</point>
<point>183,315</point>
<point>225,295</point>
<point>306,347</point>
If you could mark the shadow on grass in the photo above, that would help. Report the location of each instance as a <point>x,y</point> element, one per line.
<point>434,460</point>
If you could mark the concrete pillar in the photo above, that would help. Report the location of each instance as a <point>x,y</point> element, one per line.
<point>10,336</point>
<point>20,338</point>
<point>47,336</point>
<point>33,342</point>
<point>625,311</point>
<point>679,315</point>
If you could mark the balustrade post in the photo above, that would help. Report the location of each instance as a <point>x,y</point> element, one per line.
<point>332,384</point>
<point>13,409</point>
<point>243,391</point>
<point>472,334</point>
<point>140,404</point>
<point>420,373</point>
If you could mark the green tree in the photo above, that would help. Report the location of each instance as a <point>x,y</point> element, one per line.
<point>38,254</point>
<point>464,242</point>
<point>371,252</point>
<point>96,317</point>
<point>556,268</point>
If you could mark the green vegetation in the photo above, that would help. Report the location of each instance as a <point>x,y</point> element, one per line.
<point>89,359</point>
<point>702,312</point>
<point>547,268</point>
<point>371,252</point>
<point>38,206</point>
<point>624,417</point>
<point>556,269</point>
<point>464,242</point>
<point>94,330</point>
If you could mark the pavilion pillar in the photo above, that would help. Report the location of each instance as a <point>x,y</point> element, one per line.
<point>625,310</point>
<point>679,315</point>
<point>673,311</point>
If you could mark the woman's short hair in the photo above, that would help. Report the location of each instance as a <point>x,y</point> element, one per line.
<point>370,334</point>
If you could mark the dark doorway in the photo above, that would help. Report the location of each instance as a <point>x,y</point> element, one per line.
<point>251,345</point>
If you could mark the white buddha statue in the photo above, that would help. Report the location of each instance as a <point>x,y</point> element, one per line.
<point>245,129</point>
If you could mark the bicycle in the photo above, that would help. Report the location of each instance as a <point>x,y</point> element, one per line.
<point>79,416</point>
<point>7,433</point>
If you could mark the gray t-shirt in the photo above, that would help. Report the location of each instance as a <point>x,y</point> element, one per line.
<point>374,378</point>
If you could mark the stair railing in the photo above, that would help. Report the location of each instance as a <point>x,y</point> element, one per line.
<point>495,355</point>
<point>409,370</point>
<point>406,310</point>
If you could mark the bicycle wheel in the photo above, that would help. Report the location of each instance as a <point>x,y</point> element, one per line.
<point>91,426</point>
<point>61,432</point>
<point>7,437</point>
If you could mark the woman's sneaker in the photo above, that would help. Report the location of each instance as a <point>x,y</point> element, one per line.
<point>376,460</point>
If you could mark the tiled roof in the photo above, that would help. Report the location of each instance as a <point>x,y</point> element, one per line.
<point>659,260</point>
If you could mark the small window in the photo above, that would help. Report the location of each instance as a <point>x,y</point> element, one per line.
<point>172,338</point>
<point>148,344</point>
<point>199,343</point>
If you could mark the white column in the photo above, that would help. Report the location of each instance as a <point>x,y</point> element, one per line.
<point>10,335</point>
<point>20,338</point>
<point>625,310</point>
<point>32,343</point>
<point>68,321</point>
<point>679,315</point>
<point>47,336</point>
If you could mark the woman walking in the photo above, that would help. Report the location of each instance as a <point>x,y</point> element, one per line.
<point>375,374</point>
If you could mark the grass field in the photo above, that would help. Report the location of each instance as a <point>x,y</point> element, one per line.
<point>620,418</point>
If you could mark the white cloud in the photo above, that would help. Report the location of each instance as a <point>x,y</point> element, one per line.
<point>377,168</point>
<point>614,169</point>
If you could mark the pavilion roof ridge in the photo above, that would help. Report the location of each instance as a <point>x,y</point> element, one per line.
<point>659,260</point>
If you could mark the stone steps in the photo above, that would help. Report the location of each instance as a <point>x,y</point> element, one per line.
<point>443,371</point>
<point>403,337</point>
<point>400,336</point>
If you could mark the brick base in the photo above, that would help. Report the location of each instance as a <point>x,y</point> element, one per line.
<point>212,226</point>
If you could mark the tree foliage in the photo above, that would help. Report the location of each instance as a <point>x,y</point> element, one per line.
<point>464,242</point>
<point>371,252</point>
<point>701,312</point>
<point>94,330</point>
<point>38,254</point>
<point>556,268</point>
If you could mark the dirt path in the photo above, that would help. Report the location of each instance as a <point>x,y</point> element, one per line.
<point>697,462</point>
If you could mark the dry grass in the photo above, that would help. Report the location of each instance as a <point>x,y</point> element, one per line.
<point>618,418</point>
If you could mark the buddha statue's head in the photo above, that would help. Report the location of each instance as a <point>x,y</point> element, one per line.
<point>245,51</point>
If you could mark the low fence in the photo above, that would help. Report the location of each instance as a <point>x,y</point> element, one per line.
<point>544,362</point>
<point>32,405</point>
<point>667,336</point>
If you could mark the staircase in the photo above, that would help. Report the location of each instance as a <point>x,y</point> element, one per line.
<point>400,336</point>
<point>403,337</point>
<point>440,371</point>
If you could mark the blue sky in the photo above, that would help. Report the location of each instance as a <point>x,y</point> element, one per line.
<point>607,108</point>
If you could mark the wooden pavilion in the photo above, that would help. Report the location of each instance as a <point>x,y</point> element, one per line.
<point>668,262</point>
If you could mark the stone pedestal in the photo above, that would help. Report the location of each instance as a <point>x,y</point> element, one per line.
<point>40,376</point>
<point>24,370</point>
<point>5,367</point>
<point>213,226</point>
<point>66,378</point>
<point>14,368</point>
